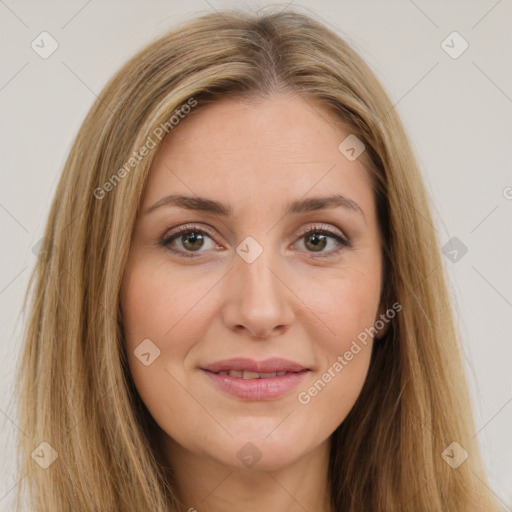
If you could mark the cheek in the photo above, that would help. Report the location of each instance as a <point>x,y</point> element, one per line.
<point>163,308</point>
<point>158,304</point>
<point>346,306</point>
<point>171,309</point>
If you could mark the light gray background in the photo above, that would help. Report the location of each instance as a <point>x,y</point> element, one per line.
<point>457,112</point>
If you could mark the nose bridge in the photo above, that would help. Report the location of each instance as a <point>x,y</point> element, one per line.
<point>258,300</point>
<point>255,275</point>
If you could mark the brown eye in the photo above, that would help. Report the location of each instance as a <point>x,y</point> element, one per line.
<point>192,240</point>
<point>187,240</point>
<point>316,241</point>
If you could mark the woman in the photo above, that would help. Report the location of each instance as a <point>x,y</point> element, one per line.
<point>242,301</point>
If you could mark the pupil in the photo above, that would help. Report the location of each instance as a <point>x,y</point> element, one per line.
<point>318,240</point>
<point>191,239</point>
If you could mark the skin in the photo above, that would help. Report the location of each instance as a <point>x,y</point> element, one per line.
<point>255,156</point>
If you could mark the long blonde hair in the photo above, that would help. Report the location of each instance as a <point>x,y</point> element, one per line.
<point>74,386</point>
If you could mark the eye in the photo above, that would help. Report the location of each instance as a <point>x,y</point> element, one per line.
<point>317,239</point>
<point>191,239</point>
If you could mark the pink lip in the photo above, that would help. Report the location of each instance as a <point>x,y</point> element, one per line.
<point>274,364</point>
<point>257,389</point>
<point>260,388</point>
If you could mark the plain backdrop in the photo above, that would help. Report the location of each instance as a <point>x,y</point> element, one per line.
<point>457,112</point>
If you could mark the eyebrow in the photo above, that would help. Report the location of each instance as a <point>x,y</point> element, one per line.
<point>215,207</point>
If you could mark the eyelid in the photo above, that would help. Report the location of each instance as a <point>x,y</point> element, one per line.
<point>185,228</point>
<point>324,227</point>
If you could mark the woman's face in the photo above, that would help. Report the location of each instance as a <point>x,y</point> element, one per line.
<point>248,282</point>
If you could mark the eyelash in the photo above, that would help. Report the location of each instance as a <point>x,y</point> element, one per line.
<point>184,230</point>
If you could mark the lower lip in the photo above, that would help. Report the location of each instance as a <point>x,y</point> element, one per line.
<point>257,389</point>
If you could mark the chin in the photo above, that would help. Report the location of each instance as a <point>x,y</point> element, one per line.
<point>255,452</point>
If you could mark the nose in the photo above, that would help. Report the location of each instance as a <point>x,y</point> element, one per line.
<point>258,300</point>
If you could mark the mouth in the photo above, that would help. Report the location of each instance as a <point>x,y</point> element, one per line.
<point>248,375</point>
<point>248,380</point>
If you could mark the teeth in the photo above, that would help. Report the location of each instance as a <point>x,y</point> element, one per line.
<point>251,375</point>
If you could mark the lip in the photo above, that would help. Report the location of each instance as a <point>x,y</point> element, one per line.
<point>257,388</point>
<point>274,364</point>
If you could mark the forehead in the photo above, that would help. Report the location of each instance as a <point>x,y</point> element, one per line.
<point>277,124</point>
<point>260,150</point>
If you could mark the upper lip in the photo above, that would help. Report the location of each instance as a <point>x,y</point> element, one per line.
<point>274,364</point>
